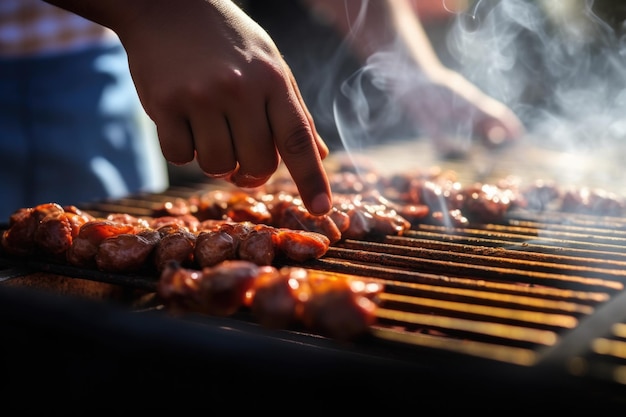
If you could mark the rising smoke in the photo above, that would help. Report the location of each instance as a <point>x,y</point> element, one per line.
<point>557,64</point>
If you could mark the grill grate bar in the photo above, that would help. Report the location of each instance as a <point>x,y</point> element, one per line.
<point>521,251</point>
<point>489,298</point>
<point>588,242</point>
<point>616,230</point>
<point>462,309</point>
<point>473,329</point>
<point>391,275</point>
<point>481,271</point>
<point>490,257</point>
<point>502,353</point>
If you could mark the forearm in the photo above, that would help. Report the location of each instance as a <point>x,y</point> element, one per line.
<point>365,24</point>
<point>381,25</point>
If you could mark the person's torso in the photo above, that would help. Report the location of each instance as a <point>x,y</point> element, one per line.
<point>34,27</point>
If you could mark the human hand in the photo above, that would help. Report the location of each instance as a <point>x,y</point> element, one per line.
<point>218,90</point>
<point>451,111</point>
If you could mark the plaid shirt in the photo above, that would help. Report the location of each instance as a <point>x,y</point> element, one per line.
<point>33,27</point>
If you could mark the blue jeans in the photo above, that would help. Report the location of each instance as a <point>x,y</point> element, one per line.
<point>72,130</point>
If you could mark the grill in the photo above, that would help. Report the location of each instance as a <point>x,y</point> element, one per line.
<point>532,308</point>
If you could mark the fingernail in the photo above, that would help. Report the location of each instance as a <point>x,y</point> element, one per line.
<point>320,204</point>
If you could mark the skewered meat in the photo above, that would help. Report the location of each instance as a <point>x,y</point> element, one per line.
<point>275,300</point>
<point>178,207</point>
<point>257,246</point>
<point>125,218</point>
<point>301,245</point>
<point>175,243</point>
<point>297,217</point>
<point>486,203</point>
<point>56,231</point>
<point>85,245</point>
<point>126,252</point>
<point>596,201</point>
<point>257,243</point>
<point>213,247</point>
<point>369,218</point>
<point>540,195</point>
<point>341,307</point>
<point>371,212</point>
<point>218,290</point>
<point>188,221</point>
<point>48,228</point>
<point>236,205</point>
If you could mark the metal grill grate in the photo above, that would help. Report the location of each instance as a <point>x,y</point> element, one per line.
<point>538,291</point>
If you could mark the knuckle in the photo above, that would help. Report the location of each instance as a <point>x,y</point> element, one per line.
<point>299,142</point>
<point>159,101</point>
<point>231,82</point>
<point>197,93</point>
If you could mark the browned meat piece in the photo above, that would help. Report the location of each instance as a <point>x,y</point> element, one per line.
<point>597,202</point>
<point>19,239</point>
<point>257,246</point>
<point>335,309</point>
<point>257,243</point>
<point>125,218</point>
<point>370,213</point>
<point>301,245</point>
<point>297,217</point>
<point>56,231</point>
<point>243,207</point>
<point>225,286</point>
<point>219,290</point>
<point>91,234</point>
<point>277,202</point>
<point>454,218</point>
<point>368,219</point>
<point>399,187</point>
<point>361,223</point>
<point>179,288</point>
<point>413,213</point>
<point>213,247</point>
<point>237,230</point>
<point>440,195</point>
<point>82,214</point>
<point>338,306</point>
<point>346,182</point>
<point>189,221</point>
<point>274,299</point>
<point>288,212</point>
<point>176,243</point>
<point>235,205</point>
<point>47,228</point>
<point>486,203</point>
<point>340,218</point>
<point>126,252</point>
<point>175,208</point>
<point>210,225</point>
<point>386,221</point>
<point>540,195</point>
